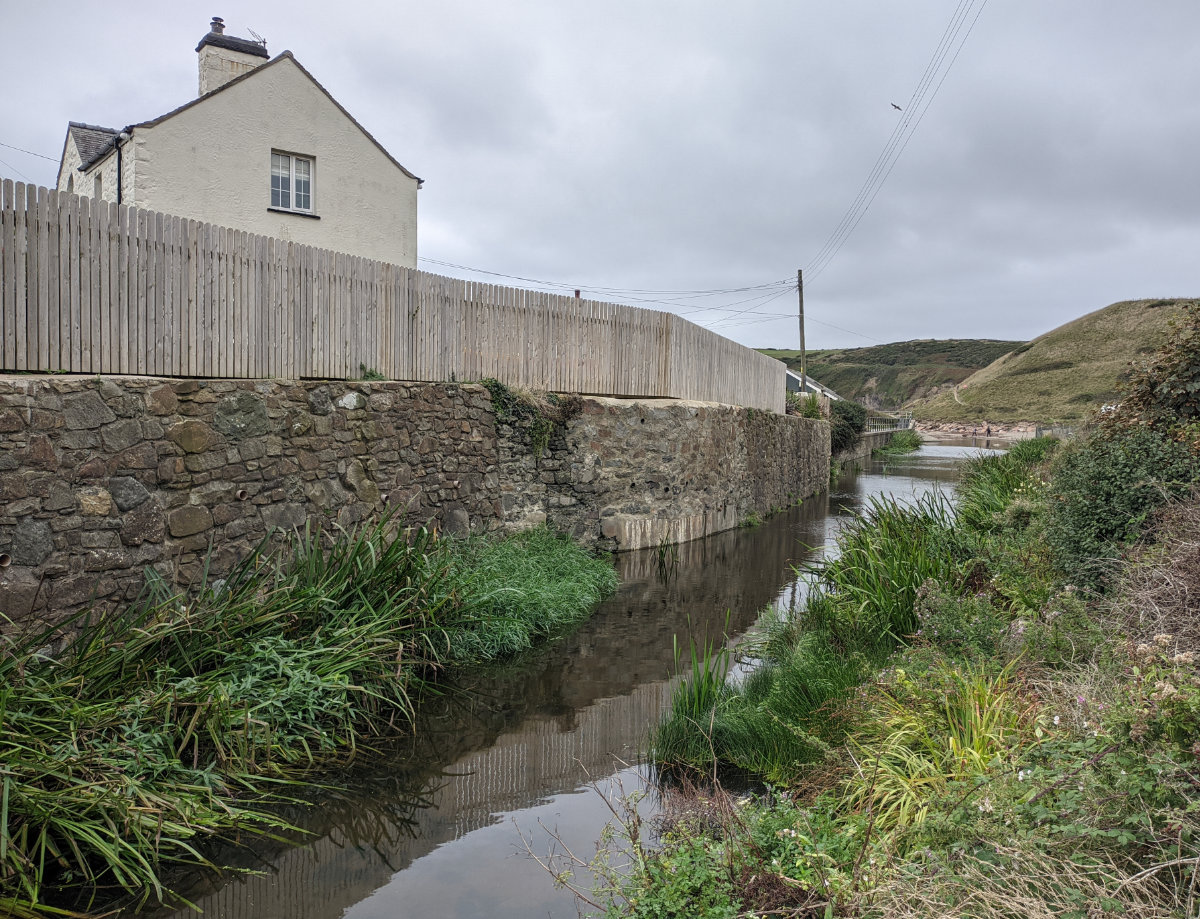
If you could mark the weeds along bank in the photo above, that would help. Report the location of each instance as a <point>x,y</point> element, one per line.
<point>154,733</point>
<point>991,710</point>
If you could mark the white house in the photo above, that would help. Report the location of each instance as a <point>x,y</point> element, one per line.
<point>264,148</point>
<point>811,386</point>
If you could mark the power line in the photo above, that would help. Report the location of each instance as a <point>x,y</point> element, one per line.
<point>751,315</point>
<point>16,170</point>
<point>843,226</point>
<point>52,159</point>
<point>685,293</point>
<point>915,112</point>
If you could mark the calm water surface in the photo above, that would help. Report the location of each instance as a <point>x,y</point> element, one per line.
<point>436,829</point>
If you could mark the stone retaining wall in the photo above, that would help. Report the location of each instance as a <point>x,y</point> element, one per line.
<point>103,477</point>
<point>864,447</point>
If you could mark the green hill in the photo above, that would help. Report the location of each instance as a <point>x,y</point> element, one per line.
<point>1063,375</point>
<point>889,376</point>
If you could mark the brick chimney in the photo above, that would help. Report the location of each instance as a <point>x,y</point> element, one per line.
<point>223,57</point>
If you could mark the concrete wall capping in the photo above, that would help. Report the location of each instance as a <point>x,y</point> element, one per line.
<point>101,478</point>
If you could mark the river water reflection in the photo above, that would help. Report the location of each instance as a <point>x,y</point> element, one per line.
<point>431,832</point>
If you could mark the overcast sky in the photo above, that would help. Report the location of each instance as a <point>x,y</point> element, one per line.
<point>695,146</point>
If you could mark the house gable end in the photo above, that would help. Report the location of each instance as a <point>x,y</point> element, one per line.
<point>259,72</point>
<point>214,160</point>
<point>84,147</point>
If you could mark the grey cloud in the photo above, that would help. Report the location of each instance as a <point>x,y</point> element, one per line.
<point>672,145</point>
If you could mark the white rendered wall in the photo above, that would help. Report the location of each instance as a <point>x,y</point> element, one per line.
<point>212,162</point>
<point>220,65</point>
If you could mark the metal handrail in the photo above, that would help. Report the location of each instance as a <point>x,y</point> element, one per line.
<point>878,424</point>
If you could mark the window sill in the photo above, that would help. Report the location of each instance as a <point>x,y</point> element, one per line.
<point>281,210</point>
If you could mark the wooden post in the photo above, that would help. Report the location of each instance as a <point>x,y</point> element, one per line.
<point>800,292</point>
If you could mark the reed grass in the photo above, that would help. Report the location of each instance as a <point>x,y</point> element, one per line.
<point>157,729</point>
<point>918,742</point>
<point>906,441</point>
<point>789,711</point>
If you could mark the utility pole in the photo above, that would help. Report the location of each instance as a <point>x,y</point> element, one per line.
<point>800,291</point>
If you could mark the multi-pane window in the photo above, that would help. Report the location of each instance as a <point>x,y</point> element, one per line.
<point>291,182</point>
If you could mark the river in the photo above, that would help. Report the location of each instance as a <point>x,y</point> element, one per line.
<point>435,829</point>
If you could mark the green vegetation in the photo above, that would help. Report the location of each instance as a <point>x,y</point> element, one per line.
<point>179,721</point>
<point>902,442</point>
<point>1064,375</point>
<point>964,721</point>
<point>805,406</point>
<point>890,376</point>
<point>787,713</point>
<point>847,421</point>
<point>538,415</point>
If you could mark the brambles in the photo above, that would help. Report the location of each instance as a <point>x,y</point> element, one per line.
<point>1164,392</point>
<point>1104,490</point>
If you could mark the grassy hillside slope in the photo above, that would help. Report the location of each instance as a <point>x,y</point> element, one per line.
<point>1063,375</point>
<point>888,376</point>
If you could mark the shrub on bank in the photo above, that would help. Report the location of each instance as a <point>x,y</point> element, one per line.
<point>847,421</point>
<point>1104,490</point>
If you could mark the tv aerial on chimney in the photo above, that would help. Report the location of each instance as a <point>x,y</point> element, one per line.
<point>258,38</point>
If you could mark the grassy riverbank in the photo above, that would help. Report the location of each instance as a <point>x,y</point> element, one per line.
<point>155,731</point>
<point>991,710</point>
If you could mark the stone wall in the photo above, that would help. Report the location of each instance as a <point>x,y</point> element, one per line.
<point>864,447</point>
<point>101,478</point>
<point>626,474</point>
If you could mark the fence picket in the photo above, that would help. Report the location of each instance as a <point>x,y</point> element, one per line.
<point>8,292</point>
<point>88,286</point>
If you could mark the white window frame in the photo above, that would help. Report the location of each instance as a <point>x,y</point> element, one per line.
<point>289,162</point>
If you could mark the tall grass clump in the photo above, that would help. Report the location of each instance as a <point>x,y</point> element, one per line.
<point>787,713</point>
<point>990,482</point>
<point>156,729</point>
<point>518,590</point>
<point>906,441</point>
<point>956,726</point>
<point>883,557</point>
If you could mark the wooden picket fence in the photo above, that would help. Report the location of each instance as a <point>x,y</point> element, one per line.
<point>90,287</point>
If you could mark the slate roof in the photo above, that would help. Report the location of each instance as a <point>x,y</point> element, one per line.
<point>220,40</point>
<point>91,140</point>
